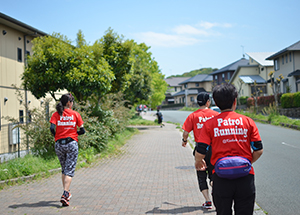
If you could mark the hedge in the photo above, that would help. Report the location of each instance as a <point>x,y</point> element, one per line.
<point>290,100</point>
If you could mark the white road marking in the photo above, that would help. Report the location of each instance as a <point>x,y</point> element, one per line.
<point>283,143</point>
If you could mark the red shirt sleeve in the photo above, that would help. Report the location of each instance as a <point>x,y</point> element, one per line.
<point>188,124</point>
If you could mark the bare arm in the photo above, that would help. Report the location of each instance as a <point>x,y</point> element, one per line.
<point>185,136</point>
<point>256,155</point>
<point>200,163</point>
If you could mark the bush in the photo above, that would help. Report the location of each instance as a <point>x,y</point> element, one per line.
<point>287,100</point>
<point>243,100</point>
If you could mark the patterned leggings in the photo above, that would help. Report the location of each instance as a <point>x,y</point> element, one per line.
<point>67,155</point>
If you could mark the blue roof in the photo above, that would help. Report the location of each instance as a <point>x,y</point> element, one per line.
<point>294,47</point>
<point>191,91</point>
<point>249,79</point>
<point>198,78</point>
<point>232,67</point>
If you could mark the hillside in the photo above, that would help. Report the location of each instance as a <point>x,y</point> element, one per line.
<point>195,72</point>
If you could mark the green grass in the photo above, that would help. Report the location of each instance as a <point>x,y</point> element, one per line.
<point>138,120</point>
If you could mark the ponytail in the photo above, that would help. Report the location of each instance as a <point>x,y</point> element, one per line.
<point>63,102</point>
<point>60,108</point>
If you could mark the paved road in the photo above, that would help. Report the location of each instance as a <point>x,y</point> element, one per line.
<point>154,175</point>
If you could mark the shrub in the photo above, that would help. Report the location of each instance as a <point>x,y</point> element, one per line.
<point>243,100</point>
<point>287,100</point>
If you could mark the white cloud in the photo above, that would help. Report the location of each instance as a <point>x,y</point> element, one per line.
<point>184,35</point>
<point>166,40</point>
<point>209,25</point>
<point>187,29</point>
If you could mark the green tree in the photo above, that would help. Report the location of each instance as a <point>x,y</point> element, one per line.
<point>57,65</point>
<point>158,84</point>
<point>89,73</point>
<point>46,69</point>
<point>117,51</point>
<point>139,89</point>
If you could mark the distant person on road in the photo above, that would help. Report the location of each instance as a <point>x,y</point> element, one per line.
<point>194,122</point>
<point>64,123</point>
<point>232,137</point>
<point>159,118</point>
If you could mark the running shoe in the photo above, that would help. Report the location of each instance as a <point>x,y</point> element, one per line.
<point>207,205</point>
<point>66,196</point>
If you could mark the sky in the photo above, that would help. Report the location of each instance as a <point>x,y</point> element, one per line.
<point>184,35</point>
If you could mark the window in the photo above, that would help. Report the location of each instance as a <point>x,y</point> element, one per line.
<point>286,58</point>
<point>228,75</point>
<point>28,53</point>
<point>192,99</point>
<point>282,59</point>
<point>19,55</point>
<point>216,77</point>
<point>223,77</point>
<point>175,88</point>
<point>290,56</point>
<point>21,116</point>
<point>29,116</point>
<point>197,84</point>
<point>276,64</point>
<point>185,85</point>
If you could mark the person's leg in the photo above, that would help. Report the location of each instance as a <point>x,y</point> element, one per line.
<point>202,175</point>
<point>245,196</point>
<point>223,192</point>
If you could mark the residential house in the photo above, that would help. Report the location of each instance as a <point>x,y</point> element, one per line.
<point>257,71</point>
<point>224,74</point>
<point>287,63</point>
<point>173,88</point>
<point>15,46</point>
<point>191,87</point>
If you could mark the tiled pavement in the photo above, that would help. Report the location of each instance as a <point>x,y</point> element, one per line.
<point>154,175</point>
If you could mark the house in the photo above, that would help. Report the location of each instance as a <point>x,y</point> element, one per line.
<point>287,63</point>
<point>224,74</point>
<point>191,87</point>
<point>173,88</point>
<point>257,71</point>
<point>15,46</point>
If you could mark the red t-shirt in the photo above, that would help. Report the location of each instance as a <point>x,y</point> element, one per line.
<point>66,125</point>
<point>230,134</point>
<point>196,119</point>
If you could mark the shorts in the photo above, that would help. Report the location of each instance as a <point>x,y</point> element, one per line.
<point>67,155</point>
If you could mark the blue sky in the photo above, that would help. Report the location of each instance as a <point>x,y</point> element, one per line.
<point>183,34</point>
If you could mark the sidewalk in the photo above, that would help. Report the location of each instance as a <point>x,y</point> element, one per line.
<point>154,175</point>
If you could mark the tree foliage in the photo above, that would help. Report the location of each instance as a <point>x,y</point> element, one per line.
<point>195,72</point>
<point>111,65</point>
<point>51,60</point>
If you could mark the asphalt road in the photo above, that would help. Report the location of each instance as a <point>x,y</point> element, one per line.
<point>278,169</point>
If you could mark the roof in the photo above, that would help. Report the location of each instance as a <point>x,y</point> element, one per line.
<point>191,91</point>
<point>233,66</point>
<point>174,81</point>
<point>294,47</point>
<point>249,79</point>
<point>297,72</point>
<point>20,26</point>
<point>260,57</point>
<point>198,78</point>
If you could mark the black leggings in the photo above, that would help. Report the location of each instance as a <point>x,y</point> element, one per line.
<point>202,175</point>
<point>240,191</point>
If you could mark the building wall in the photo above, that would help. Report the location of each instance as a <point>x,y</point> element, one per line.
<point>10,74</point>
<point>287,66</point>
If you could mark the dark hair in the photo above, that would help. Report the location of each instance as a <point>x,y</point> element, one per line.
<point>224,95</point>
<point>63,102</point>
<point>202,98</point>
